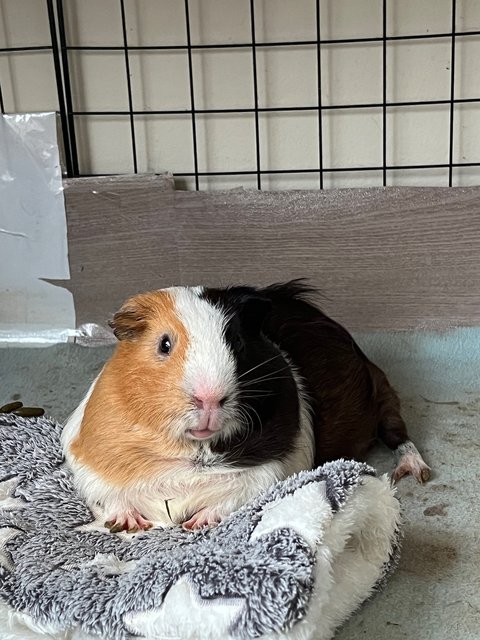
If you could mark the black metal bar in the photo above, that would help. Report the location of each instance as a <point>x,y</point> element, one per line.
<point>192,94</point>
<point>283,43</point>
<point>452,95</point>
<point>315,170</point>
<point>319,93</point>
<point>373,105</point>
<point>129,87</point>
<point>67,89</point>
<point>60,93</point>
<point>384,95</point>
<point>45,48</point>
<point>334,169</point>
<point>255,94</point>
<point>2,104</point>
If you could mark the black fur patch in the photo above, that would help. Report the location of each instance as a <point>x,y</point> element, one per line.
<point>268,396</point>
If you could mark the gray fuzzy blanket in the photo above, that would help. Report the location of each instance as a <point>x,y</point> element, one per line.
<point>294,563</point>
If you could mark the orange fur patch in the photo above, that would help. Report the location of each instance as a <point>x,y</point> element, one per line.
<point>125,433</point>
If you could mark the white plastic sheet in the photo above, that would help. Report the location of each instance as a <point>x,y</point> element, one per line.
<point>33,233</point>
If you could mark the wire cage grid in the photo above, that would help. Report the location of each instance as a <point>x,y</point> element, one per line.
<point>61,50</point>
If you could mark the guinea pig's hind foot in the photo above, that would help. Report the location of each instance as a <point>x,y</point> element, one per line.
<point>411,462</point>
<point>130,521</point>
<point>206,517</point>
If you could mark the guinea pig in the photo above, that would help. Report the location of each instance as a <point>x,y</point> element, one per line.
<point>212,395</point>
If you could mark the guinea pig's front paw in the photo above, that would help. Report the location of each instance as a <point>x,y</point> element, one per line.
<point>206,517</point>
<point>130,521</point>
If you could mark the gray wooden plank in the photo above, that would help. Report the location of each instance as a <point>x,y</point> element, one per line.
<point>394,258</point>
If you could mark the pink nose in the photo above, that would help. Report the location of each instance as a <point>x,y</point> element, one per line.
<point>208,401</point>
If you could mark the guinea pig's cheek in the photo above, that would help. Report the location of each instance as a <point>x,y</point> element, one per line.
<point>180,428</point>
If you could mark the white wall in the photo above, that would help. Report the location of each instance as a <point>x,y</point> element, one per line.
<point>287,76</point>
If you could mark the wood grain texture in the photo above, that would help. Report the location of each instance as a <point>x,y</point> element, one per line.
<point>394,258</point>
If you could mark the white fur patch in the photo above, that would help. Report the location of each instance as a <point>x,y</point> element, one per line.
<point>72,425</point>
<point>210,362</point>
<point>205,619</point>
<point>187,490</point>
<point>6,534</point>
<point>305,511</point>
<point>6,488</point>
<point>16,625</point>
<point>109,564</point>
<point>6,500</point>
<point>407,448</point>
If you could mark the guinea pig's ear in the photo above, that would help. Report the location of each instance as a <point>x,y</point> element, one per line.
<point>129,321</point>
<point>253,311</point>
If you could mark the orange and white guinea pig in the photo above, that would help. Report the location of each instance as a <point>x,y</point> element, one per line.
<point>212,395</point>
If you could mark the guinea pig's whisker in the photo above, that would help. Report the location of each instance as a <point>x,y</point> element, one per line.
<point>245,387</point>
<point>243,414</point>
<point>264,375</point>
<point>247,422</point>
<point>246,435</point>
<point>255,397</point>
<point>269,379</point>
<point>259,420</point>
<point>267,376</point>
<point>240,443</point>
<point>279,355</point>
<point>256,391</point>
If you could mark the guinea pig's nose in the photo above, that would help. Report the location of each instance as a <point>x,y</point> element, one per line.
<point>198,402</point>
<point>208,402</point>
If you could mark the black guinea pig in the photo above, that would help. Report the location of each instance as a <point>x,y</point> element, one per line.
<point>212,395</point>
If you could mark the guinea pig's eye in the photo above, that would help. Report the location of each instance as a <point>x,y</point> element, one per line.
<point>165,345</point>
<point>238,343</point>
<point>235,340</point>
